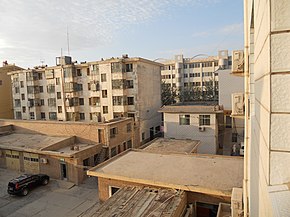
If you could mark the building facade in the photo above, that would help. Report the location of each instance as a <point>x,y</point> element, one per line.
<point>194,122</point>
<point>95,91</point>
<point>6,100</point>
<point>182,73</point>
<point>267,79</point>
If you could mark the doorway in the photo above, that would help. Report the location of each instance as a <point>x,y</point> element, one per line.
<point>63,171</point>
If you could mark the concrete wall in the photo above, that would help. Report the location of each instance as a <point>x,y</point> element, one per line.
<point>208,138</point>
<point>269,146</point>
<point>229,84</point>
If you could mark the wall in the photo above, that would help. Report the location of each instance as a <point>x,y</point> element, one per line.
<point>6,101</point>
<point>208,138</point>
<point>269,146</point>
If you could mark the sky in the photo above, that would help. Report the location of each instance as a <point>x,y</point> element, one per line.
<point>36,31</point>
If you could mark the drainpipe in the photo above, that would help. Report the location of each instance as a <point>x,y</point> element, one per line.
<point>247,115</point>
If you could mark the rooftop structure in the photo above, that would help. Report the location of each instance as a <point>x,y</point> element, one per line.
<point>188,108</point>
<point>207,174</point>
<point>162,145</point>
<point>143,202</point>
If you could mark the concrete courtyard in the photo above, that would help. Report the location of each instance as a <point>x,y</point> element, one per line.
<point>58,198</point>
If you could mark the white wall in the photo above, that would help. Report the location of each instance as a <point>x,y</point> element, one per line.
<point>208,138</point>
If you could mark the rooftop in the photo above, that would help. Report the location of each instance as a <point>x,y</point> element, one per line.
<point>210,174</point>
<point>19,141</point>
<point>181,108</point>
<point>161,145</point>
<point>131,201</point>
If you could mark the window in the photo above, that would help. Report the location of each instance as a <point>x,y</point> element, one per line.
<point>129,144</point>
<point>1,82</point>
<point>104,94</point>
<point>129,127</point>
<point>131,115</point>
<point>82,116</point>
<point>204,120</point>
<point>119,100</point>
<point>143,136</point>
<point>51,102</point>
<point>41,101</point>
<point>21,84</point>
<point>105,110</point>
<point>17,103</point>
<point>113,132</point>
<point>81,101</point>
<point>52,116</point>
<point>42,115</point>
<point>86,163</point>
<point>50,88</point>
<point>103,78</point>
<point>130,100</point>
<point>113,152</point>
<point>184,119</point>
<point>58,95</point>
<point>18,115</point>
<point>234,137</point>
<point>59,109</point>
<point>185,75</point>
<point>40,76</point>
<point>94,101</point>
<point>228,122</point>
<point>16,89</point>
<point>129,84</point>
<point>31,114</point>
<point>41,89</point>
<point>79,72</point>
<point>23,96</point>
<point>88,71</point>
<point>129,67</point>
<point>57,81</point>
<point>23,109</point>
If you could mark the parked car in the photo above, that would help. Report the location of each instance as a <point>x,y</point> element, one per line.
<point>24,183</point>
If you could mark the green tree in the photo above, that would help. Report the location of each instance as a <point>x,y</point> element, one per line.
<point>168,94</point>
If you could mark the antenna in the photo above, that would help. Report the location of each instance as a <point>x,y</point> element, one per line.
<point>42,61</point>
<point>67,35</point>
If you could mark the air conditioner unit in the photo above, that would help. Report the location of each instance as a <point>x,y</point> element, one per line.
<point>201,129</point>
<point>43,160</point>
<point>238,61</point>
<point>238,104</point>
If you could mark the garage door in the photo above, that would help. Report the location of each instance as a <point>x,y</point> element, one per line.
<point>12,160</point>
<point>31,162</point>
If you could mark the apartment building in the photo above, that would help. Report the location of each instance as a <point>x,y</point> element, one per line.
<point>182,73</point>
<point>96,91</point>
<point>6,102</point>
<point>195,122</point>
<point>267,79</point>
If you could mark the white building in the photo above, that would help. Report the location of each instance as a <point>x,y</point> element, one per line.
<point>231,95</point>
<point>195,122</point>
<point>267,137</point>
<point>96,91</point>
<point>194,72</point>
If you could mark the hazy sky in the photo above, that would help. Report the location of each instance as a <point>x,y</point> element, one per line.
<point>36,30</point>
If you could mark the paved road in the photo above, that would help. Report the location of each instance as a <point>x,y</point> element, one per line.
<point>58,198</point>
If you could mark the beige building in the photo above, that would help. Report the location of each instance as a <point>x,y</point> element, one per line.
<point>6,102</point>
<point>195,122</point>
<point>207,179</point>
<point>267,149</point>
<point>114,136</point>
<point>96,91</point>
<point>183,72</point>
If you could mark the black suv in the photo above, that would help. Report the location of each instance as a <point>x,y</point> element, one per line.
<point>22,184</point>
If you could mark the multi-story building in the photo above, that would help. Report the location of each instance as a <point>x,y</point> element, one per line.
<point>195,122</point>
<point>6,105</point>
<point>267,79</point>
<point>96,91</point>
<point>181,73</point>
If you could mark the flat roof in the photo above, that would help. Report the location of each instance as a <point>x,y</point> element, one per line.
<point>162,145</point>
<point>209,174</point>
<point>132,201</point>
<point>191,109</point>
<point>20,141</point>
